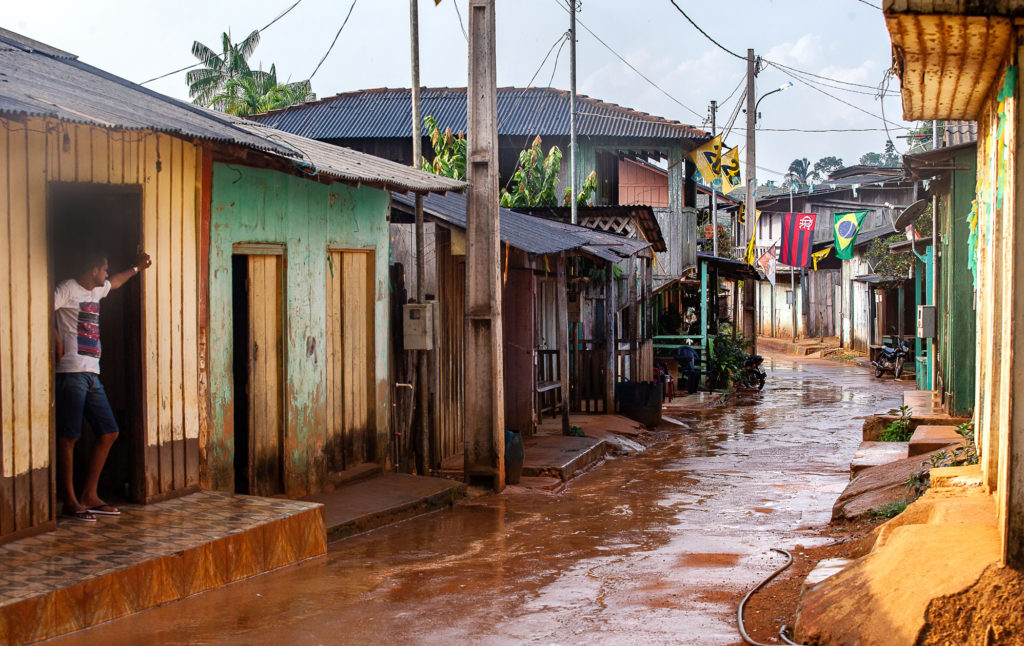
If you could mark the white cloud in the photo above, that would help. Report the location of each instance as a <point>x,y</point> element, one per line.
<point>805,51</point>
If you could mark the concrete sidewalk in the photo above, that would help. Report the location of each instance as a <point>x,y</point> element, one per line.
<point>381,499</point>
<point>801,347</point>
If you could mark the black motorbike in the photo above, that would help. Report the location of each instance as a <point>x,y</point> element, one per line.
<point>891,358</point>
<point>753,374</point>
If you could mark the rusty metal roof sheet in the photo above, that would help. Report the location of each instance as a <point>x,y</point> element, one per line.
<point>947,62</point>
<point>529,233</point>
<point>41,81</point>
<point>544,111</point>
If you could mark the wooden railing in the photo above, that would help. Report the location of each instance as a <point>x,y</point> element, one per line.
<point>587,370</point>
<point>549,384</point>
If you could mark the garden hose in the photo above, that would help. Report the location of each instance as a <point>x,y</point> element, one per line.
<point>739,612</point>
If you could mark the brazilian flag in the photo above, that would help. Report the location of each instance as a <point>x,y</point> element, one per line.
<point>845,230</point>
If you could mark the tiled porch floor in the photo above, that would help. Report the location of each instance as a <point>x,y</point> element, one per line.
<point>86,573</point>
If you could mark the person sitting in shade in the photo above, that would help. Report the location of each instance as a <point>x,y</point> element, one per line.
<point>79,393</point>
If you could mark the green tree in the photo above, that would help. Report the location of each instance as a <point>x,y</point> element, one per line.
<point>260,91</point>
<point>208,83</point>
<point>825,167</point>
<point>889,158</point>
<point>449,151</point>
<point>799,170</point>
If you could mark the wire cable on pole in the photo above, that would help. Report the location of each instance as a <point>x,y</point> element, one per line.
<point>832,96</point>
<point>819,76</point>
<point>705,34</point>
<point>630,65</point>
<point>264,28</point>
<point>873,6</point>
<point>327,53</point>
<point>459,14</point>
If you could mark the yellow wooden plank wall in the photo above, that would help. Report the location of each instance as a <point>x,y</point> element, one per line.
<point>37,151</point>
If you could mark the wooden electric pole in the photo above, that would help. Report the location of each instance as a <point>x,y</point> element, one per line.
<point>749,306</point>
<point>422,390</point>
<point>485,398</point>
<point>573,188</point>
<point>714,197</point>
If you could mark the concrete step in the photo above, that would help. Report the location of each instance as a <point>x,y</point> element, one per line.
<point>873,454</point>
<point>383,499</point>
<point>561,456</point>
<point>930,437</point>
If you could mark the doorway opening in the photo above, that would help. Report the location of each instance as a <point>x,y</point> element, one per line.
<point>85,217</point>
<point>258,361</point>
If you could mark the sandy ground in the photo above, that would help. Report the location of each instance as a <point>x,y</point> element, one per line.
<point>655,548</point>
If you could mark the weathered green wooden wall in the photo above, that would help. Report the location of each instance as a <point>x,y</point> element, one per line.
<point>308,218</point>
<point>586,161</point>
<point>955,307</point>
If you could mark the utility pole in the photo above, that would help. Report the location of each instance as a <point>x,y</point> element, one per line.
<point>792,279</point>
<point>714,198</point>
<point>572,112</point>
<point>484,411</point>
<point>423,396</point>
<point>749,306</point>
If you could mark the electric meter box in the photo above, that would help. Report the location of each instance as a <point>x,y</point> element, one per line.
<point>418,326</point>
<point>926,321</point>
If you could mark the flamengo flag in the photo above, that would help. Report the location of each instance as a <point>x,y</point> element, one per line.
<point>797,231</point>
<point>731,171</point>
<point>767,264</point>
<point>845,230</point>
<point>708,160</point>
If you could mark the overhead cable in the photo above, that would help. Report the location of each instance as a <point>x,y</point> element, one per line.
<point>261,30</point>
<point>832,96</point>
<point>630,65</point>
<point>343,23</point>
<point>705,34</point>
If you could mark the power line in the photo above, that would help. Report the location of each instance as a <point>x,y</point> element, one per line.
<point>873,6</point>
<point>327,53</point>
<point>819,76</point>
<point>458,13</point>
<point>726,99</point>
<point>832,96</point>
<point>264,28</point>
<point>873,92</point>
<point>630,65</point>
<point>705,34</point>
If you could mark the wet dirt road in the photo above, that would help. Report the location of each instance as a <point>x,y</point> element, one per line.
<point>656,548</point>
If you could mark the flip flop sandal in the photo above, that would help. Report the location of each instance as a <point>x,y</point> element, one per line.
<point>83,516</point>
<point>106,510</point>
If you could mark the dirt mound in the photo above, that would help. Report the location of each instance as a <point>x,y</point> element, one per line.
<point>989,613</point>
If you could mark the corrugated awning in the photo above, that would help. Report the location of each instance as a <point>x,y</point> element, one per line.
<point>947,62</point>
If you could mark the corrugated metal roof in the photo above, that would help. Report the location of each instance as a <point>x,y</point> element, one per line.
<point>641,214</point>
<point>530,233</point>
<point>387,113</point>
<point>41,81</point>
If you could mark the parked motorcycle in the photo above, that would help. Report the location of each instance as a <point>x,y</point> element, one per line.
<point>891,358</point>
<point>753,374</point>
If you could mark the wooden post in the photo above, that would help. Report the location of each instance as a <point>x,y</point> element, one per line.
<point>484,412</point>
<point>609,335</point>
<point>750,313</point>
<point>562,313</point>
<point>634,373</point>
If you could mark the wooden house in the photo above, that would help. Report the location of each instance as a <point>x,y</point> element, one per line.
<point>92,159</point>
<point>555,336</point>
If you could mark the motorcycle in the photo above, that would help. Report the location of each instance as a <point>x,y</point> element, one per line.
<point>753,374</point>
<point>891,358</point>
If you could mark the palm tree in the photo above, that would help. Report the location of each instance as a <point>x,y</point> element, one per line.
<point>260,91</point>
<point>799,168</point>
<point>207,85</point>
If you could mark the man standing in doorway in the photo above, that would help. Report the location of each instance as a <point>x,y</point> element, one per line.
<point>79,393</point>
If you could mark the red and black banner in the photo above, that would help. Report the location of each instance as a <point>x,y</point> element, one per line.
<point>797,239</point>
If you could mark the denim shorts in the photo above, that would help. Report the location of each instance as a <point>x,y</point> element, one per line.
<point>80,395</point>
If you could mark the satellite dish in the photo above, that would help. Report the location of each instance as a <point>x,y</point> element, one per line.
<point>911,213</point>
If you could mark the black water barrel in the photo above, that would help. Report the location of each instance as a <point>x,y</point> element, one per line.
<point>640,401</point>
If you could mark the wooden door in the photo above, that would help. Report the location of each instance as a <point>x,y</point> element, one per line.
<point>351,352</point>
<point>265,378</point>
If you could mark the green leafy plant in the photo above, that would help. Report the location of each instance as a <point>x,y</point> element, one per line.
<point>961,456</point>
<point>899,430</point>
<point>576,431</point>
<point>536,178</point>
<point>725,358</point>
<point>449,151</point>
<point>889,510</point>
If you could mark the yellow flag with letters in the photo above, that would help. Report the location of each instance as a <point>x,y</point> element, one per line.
<point>708,160</point>
<point>731,170</point>
<point>749,256</point>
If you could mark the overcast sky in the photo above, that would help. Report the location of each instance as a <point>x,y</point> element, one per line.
<point>839,39</point>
